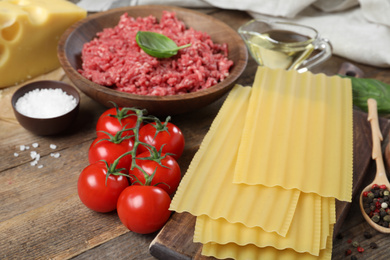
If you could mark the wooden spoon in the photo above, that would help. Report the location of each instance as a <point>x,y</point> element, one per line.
<point>380,177</point>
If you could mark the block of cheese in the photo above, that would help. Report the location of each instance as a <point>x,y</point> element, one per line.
<point>29,34</point>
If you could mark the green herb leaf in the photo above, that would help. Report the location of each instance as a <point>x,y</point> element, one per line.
<point>364,89</point>
<point>157,45</point>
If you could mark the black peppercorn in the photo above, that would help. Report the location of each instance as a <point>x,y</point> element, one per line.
<point>367,234</point>
<point>373,245</point>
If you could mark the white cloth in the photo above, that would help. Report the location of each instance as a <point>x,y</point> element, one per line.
<point>358,30</point>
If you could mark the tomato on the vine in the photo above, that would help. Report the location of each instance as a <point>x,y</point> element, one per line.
<point>143,209</point>
<point>166,135</point>
<point>109,148</point>
<point>115,119</point>
<point>162,170</point>
<point>98,191</point>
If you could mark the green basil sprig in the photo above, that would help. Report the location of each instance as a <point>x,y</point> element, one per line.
<point>157,45</point>
<point>364,88</point>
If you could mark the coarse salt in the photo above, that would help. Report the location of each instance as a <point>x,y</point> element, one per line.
<point>56,155</point>
<point>45,103</point>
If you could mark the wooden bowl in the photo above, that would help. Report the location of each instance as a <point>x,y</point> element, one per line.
<point>71,44</point>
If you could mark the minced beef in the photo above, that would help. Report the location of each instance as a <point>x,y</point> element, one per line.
<point>114,59</point>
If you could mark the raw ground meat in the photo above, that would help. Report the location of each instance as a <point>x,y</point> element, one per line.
<point>114,59</point>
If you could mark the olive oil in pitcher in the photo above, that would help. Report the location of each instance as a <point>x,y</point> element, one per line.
<point>279,48</point>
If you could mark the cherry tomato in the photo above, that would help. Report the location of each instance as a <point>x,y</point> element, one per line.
<point>114,120</point>
<point>158,134</point>
<point>109,149</point>
<point>143,209</point>
<point>93,191</point>
<point>166,170</point>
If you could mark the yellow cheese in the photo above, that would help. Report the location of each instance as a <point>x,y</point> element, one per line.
<point>298,134</point>
<point>208,189</point>
<point>29,34</point>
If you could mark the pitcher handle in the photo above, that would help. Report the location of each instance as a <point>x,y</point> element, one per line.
<point>325,48</point>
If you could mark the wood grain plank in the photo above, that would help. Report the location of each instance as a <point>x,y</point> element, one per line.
<point>57,230</point>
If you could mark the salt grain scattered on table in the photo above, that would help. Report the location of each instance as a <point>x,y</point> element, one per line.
<point>45,103</point>
<point>35,156</point>
<point>55,155</point>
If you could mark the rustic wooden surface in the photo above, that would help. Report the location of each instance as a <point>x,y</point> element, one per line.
<point>41,216</point>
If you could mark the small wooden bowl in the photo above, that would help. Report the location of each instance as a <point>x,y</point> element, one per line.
<point>46,126</point>
<point>71,44</point>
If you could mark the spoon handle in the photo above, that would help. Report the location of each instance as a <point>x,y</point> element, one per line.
<point>376,137</point>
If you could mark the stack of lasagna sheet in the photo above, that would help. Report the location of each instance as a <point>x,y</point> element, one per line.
<point>264,181</point>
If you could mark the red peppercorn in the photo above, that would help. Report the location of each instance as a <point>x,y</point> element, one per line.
<point>365,194</point>
<point>383,187</point>
<point>375,186</point>
<point>378,205</point>
<point>360,249</point>
<point>349,241</point>
<point>348,252</point>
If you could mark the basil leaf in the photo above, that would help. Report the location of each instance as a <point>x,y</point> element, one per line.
<point>363,89</point>
<point>157,45</point>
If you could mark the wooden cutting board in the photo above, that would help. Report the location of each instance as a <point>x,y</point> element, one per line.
<point>174,241</point>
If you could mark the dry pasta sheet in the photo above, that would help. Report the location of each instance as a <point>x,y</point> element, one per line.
<point>298,134</point>
<point>208,189</point>
<point>309,229</point>
<point>251,251</point>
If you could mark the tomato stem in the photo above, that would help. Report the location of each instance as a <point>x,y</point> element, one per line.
<point>155,155</point>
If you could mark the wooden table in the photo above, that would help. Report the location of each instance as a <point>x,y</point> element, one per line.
<point>41,216</point>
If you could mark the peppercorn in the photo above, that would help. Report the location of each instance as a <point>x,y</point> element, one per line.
<point>376,203</point>
<point>348,252</point>
<point>373,245</point>
<point>367,234</point>
<point>375,218</point>
<point>360,249</point>
<point>387,218</point>
<point>355,244</point>
<point>354,257</point>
